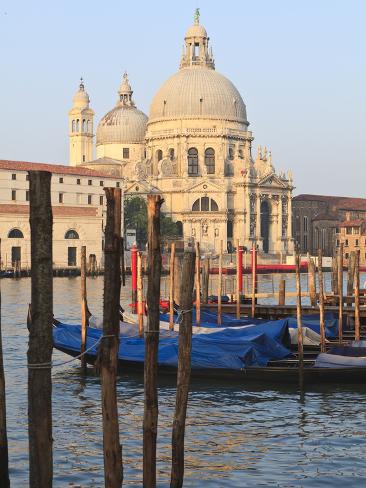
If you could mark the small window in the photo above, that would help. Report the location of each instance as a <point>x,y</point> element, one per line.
<point>71,234</point>
<point>27,195</point>
<point>356,242</point>
<point>60,180</point>
<point>337,242</point>
<point>346,255</point>
<point>13,195</point>
<point>126,153</point>
<point>60,198</point>
<point>78,182</point>
<point>192,162</point>
<point>101,183</point>
<point>117,184</point>
<point>159,155</point>
<point>210,161</point>
<point>231,153</point>
<point>83,158</point>
<point>171,154</point>
<point>356,230</point>
<point>14,176</point>
<point>15,234</point>
<point>349,230</point>
<point>101,200</point>
<point>90,182</point>
<point>346,242</point>
<point>89,199</point>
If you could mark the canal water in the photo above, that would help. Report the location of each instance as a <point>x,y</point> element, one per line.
<point>239,435</point>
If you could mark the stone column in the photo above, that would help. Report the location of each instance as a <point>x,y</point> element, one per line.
<point>279,223</point>
<point>247,217</point>
<point>289,216</point>
<point>258,220</point>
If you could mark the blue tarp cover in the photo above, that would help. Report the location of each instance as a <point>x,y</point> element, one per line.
<point>230,348</point>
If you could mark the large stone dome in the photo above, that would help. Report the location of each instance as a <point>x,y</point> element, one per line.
<point>198,92</point>
<point>122,125</point>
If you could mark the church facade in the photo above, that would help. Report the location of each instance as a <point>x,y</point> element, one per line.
<point>195,149</point>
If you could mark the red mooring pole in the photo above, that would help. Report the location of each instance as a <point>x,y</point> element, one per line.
<point>134,277</point>
<point>240,272</point>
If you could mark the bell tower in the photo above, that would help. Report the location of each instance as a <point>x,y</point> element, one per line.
<point>81,128</point>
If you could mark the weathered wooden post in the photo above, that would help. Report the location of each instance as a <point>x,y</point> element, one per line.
<point>335,273</point>
<point>219,289</point>
<point>171,286</point>
<point>198,285</point>
<point>239,278</point>
<point>40,336</point>
<point>340,293</point>
<point>299,316</point>
<point>311,282</point>
<point>140,307</point>
<point>84,308</point>
<point>184,371</point>
<point>4,457</point>
<point>321,300</point>
<point>205,279</point>
<point>177,278</point>
<point>357,296</point>
<point>134,277</point>
<point>282,293</point>
<point>350,273</point>
<point>150,425</point>
<point>108,350</point>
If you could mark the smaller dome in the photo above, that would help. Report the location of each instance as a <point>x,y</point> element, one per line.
<point>196,30</point>
<point>81,98</point>
<point>122,125</point>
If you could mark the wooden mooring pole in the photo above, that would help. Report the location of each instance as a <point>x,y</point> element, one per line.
<point>321,300</point>
<point>84,308</point>
<point>171,286</point>
<point>4,456</point>
<point>311,282</point>
<point>357,295</point>
<point>254,279</point>
<point>239,279</point>
<point>40,334</point>
<point>184,371</point>
<point>150,424</point>
<point>108,350</point>
<point>198,285</point>
<point>282,293</point>
<point>335,273</point>
<point>140,298</point>
<point>340,293</point>
<point>205,279</point>
<point>300,347</point>
<point>219,288</point>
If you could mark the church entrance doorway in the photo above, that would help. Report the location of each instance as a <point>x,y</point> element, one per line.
<point>265,225</point>
<point>15,255</point>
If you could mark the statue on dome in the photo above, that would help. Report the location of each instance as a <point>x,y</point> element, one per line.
<point>197,16</point>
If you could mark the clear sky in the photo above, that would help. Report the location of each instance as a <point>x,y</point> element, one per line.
<point>300,67</point>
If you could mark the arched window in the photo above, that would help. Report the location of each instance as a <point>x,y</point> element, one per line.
<point>179,228</point>
<point>89,126</point>
<point>171,154</point>
<point>71,234</point>
<point>84,125</point>
<point>231,153</point>
<point>77,125</point>
<point>159,155</point>
<point>15,234</point>
<point>73,126</point>
<point>192,161</point>
<point>210,160</point>
<point>205,204</point>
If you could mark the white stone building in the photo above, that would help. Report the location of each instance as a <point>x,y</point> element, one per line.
<point>78,206</point>
<point>194,149</point>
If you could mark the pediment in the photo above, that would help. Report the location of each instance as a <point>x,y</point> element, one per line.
<point>205,186</point>
<point>141,187</point>
<point>272,181</point>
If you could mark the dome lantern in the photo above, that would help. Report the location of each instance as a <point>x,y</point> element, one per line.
<point>196,51</point>
<point>125,92</point>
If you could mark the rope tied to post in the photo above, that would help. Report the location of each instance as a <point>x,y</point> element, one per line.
<point>181,313</point>
<point>52,364</point>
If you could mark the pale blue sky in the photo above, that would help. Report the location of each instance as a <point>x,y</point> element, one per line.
<point>300,67</point>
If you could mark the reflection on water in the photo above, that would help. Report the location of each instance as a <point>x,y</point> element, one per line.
<point>237,435</point>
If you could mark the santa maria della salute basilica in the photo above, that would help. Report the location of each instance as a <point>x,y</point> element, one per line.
<point>195,150</point>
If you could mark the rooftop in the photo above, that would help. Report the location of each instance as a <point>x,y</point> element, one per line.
<point>52,168</point>
<point>345,203</point>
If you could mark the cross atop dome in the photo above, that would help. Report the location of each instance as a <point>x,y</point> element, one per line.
<point>195,51</point>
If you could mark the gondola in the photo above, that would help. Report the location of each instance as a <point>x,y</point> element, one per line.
<point>284,368</point>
